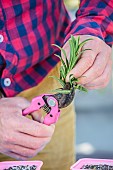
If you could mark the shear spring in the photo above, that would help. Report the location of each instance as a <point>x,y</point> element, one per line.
<point>48,104</point>
<point>46,108</point>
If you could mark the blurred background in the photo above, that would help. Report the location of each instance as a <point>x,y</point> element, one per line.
<point>94,115</point>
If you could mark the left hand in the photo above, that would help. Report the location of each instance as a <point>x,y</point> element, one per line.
<point>95,66</point>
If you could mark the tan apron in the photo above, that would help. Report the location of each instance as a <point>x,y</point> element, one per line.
<point>59,154</point>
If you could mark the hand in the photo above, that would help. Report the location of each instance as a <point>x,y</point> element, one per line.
<point>20,137</point>
<point>95,66</point>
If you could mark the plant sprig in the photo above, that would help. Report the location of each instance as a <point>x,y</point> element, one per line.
<point>68,64</point>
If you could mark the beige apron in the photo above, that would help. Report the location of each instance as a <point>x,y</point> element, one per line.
<point>59,154</point>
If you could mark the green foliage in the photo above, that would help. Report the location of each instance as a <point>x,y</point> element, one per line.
<point>61,91</point>
<point>68,64</point>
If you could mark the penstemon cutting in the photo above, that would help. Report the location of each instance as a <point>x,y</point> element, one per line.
<point>68,64</point>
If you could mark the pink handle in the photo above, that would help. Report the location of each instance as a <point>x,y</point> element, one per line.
<point>38,102</point>
<point>54,114</point>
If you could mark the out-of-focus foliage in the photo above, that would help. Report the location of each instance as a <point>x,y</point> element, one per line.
<point>71,4</point>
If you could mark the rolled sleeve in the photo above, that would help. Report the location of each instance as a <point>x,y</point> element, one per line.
<point>94,18</point>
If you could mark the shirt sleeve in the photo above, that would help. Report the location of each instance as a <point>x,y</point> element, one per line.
<point>94,17</point>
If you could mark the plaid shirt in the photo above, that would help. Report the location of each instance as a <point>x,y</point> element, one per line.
<point>29,27</point>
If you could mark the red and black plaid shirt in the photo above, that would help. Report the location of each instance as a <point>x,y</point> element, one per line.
<point>29,27</point>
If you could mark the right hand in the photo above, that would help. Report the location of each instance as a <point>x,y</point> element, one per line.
<point>20,137</point>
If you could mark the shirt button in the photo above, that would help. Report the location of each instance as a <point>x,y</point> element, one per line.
<point>1,24</point>
<point>1,38</point>
<point>7,82</point>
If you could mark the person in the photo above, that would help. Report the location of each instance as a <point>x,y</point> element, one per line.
<point>27,31</point>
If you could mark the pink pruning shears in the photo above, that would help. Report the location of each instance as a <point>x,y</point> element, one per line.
<point>51,104</point>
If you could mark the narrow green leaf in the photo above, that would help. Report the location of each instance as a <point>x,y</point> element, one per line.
<point>62,71</point>
<point>72,79</point>
<point>63,51</point>
<point>63,63</point>
<point>71,75</point>
<point>60,57</point>
<point>84,42</point>
<point>67,62</point>
<point>72,54</point>
<point>57,46</point>
<point>83,52</point>
<point>61,75</point>
<point>81,88</point>
<point>74,62</point>
<point>61,91</point>
<point>74,43</point>
<point>59,80</point>
<point>77,42</point>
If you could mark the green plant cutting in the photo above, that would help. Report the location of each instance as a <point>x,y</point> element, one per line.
<point>76,50</point>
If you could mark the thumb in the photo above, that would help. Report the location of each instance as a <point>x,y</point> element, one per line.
<point>37,116</point>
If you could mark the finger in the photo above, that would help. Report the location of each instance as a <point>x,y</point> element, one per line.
<point>96,70</point>
<point>25,140</point>
<point>23,151</point>
<point>41,148</point>
<point>86,61</point>
<point>95,87</point>
<point>17,101</point>
<point>22,102</point>
<point>28,126</point>
<point>103,80</point>
<point>15,156</point>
